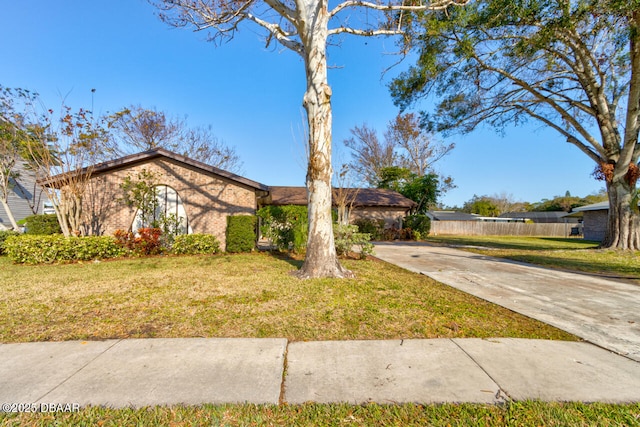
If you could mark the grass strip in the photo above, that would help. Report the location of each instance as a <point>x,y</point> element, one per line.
<point>566,254</point>
<point>529,413</point>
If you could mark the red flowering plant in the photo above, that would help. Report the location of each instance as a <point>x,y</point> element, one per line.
<point>145,242</point>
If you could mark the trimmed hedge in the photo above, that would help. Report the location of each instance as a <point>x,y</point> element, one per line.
<point>241,233</point>
<point>30,249</point>
<point>4,234</point>
<point>42,224</point>
<point>195,244</point>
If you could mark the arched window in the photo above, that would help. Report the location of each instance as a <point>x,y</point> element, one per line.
<point>166,212</point>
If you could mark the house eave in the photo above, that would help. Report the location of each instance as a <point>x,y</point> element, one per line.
<point>145,156</point>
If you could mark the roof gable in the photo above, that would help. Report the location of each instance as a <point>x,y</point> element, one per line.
<point>155,153</point>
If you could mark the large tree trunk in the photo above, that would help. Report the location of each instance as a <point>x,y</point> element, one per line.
<point>623,230</point>
<point>321,259</point>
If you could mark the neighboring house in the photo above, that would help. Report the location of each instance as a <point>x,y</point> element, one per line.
<point>541,217</point>
<point>370,203</point>
<point>452,216</point>
<point>202,196</point>
<point>26,198</point>
<point>462,216</point>
<point>594,220</point>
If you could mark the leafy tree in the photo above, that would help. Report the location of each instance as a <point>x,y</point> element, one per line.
<point>572,65</point>
<point>483,206</point>
<point>141,129</point>
<point>141,194</point>
<point>304,27</point>
<point>421,189</point>
<point>567,202</point>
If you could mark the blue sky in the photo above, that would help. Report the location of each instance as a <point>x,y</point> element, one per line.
<point>252,96</point>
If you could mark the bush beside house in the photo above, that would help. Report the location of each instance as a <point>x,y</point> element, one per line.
<point>45,224</point>
<point>285,226</point>
<point>241,233</point>
<point>420,225</point>
<point>39,249</point>
<point>347,236</point>
<point>4,234</point>
<point>195,244</point>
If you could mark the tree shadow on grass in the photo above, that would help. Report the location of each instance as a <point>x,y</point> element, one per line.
<point>296,260</point>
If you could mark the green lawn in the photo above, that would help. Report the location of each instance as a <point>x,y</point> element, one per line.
<point>523,414</point>
<point>255,295</point>
<point>252,295</point>
<point>566,254</point>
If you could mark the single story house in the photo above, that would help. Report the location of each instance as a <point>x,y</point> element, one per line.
<point>541,217</point>
<point>202,196</point>
<point>370,203</point>
<point>463,216</point>
<point>595,218</point>
<point>452,216</point>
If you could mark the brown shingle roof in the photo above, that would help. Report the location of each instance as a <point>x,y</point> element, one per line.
<point>364,197</point>
<point>107,166</point>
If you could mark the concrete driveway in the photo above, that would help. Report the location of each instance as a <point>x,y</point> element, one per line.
<point>603,312</point>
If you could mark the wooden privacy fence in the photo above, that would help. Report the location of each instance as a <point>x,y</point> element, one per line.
<point>479,228</point>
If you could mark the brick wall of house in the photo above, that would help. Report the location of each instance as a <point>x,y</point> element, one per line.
<point>389,215</point>
<point>595,225</point>
<point>207,199</point>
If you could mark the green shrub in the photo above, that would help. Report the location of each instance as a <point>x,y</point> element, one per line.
<point>419,225</point>
<point>347,236</point>
<point>193,244</point>
<point>4,234</point>
<point>241,233</point>
<point>285,226</point>
<point>34,249</point>
<point>42,224</point>
<point>373,227</point>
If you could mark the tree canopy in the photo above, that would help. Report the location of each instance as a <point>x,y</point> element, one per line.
<point>141,129</point>
<point>422,189</point>
<point>406,145</point>
<point>572,65</point>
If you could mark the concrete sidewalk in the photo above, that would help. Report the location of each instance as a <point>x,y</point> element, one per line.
<point>144,372</point>
<point>601,311</point>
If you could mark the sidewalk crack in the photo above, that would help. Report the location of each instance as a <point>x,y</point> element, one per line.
<point>501,395</point>
<point>78,370</point>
